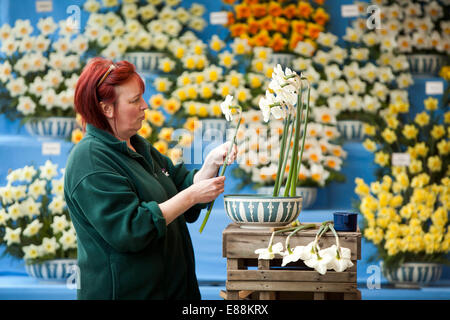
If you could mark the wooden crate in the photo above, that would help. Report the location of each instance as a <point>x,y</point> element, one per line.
<point>248,277</point>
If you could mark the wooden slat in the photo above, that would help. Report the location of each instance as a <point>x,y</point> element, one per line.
<point>290,275</point>
<point>242,243</point>
<point>291,286</point>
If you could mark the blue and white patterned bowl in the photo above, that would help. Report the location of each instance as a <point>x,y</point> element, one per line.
<point>426,64</point>
<point>351,130</point>
<point>253,210</point>
<point>309,194</point>
<point>52,127</point>
<point>52,270</point>
<point>284,59</point>
<point>414,274</point>
<point>144,61</point>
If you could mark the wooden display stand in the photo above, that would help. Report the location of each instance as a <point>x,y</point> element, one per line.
<point>295,281</point>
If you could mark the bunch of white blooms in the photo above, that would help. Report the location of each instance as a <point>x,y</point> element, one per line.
<point>34,222</point>
<point>117,28</point>
<point>40,71</point>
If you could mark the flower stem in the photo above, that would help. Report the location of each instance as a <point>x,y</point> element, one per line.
<point>302,227</point>
<point>222,172</point>
<point>276,188</point>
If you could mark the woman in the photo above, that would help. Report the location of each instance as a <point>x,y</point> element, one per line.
<point>128,202</point>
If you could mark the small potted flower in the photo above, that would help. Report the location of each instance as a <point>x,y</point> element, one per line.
<point>35,224</point>
<point>289,101</point>
<point>38,74</point>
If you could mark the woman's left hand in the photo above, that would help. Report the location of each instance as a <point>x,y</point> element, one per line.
<point>217,156</point>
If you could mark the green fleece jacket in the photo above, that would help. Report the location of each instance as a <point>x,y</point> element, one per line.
<point>125,249</point>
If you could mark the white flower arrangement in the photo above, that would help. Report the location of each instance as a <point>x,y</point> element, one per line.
<point>116,28</point>
<point>34,222</point>
<point>357,82</point>
<point>38,73</point>
<point>414,26</point>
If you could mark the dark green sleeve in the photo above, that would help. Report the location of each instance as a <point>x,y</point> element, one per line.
<point>112,207</point>
<point>183,178</point>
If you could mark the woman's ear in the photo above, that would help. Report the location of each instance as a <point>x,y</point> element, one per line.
<point>107,109</point>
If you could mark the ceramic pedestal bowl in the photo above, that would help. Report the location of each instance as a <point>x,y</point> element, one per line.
<point>259,211</point>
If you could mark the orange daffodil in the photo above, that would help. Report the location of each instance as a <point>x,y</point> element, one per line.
<point>278,25</point>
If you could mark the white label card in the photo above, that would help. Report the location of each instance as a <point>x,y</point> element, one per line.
<point>349,10</point>
<point>51,148</point>
<point>434,87</point>
<point>401,159</point>
<point>44,5</point>
<point>218,17</point>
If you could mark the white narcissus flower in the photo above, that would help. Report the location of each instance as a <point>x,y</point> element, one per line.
<point>59,224</point>
<point>68,239</point>
<point>225,106</point>
<point>49,170</point>
<point>37,188</point>
<point>3,217</point>
<point>269,253</point>
<point>33,228</point>
<point>57,205</point>
<point>12,235</point>
<point>49,245</point>
<point>320,262</point>
<point>47,26</point>
<point>341,263</point>
<point>26,105</point>
<point>30,208</point>
<point>14,211</point>
<point>31,252</point>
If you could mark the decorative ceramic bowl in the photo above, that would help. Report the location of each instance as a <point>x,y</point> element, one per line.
<point>309,194</point>
<point>255,210</point>
<point>52,270</point>
<point>52,127</point>
<point>426,64</point>
<point>414,274</point>
<point>351,130</point>
<point>145,61</point>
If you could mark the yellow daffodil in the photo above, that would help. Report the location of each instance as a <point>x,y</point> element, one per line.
<point>431,103</point>
<point>146,130</point>
<point>369,130</point>
<point>161,146</point>
<point>415,166</point>
<point>362,188</point>
<point>422,119</point>
<point>382,158</point>
<point>421,149</point>
<point>438,131</point>
<point>77,135</point>
<point>434,163</point>
<point>172,105</point>
<point>191,124</point>
<point>156,118</point>
<point>389,135</point>
<point>443,147</point>
<point>410,131</point>
<point>370,145</point>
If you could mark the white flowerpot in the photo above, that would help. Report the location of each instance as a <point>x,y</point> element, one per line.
<point>52,127</point>
<point>144,61</point>
<point>309,194</point>
<point>414,274</point>
<point>284,59</point>
<point>351,130</point>
<point>52,270</point>
<point>426,64</point>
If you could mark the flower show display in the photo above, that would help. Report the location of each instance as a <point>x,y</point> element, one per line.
<point>278,25</point>
<point>419,29</point>
<point>34,222</point>
<point>38,74</point>
<point>139,32</point>
<point>406,210</point>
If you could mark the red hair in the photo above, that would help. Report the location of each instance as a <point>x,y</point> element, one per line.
<point>88,97</point>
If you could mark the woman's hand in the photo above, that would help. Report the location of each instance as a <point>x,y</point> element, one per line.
<point>216,157</point>
<point>207,190</point>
